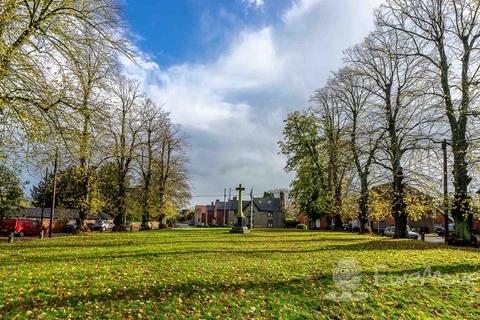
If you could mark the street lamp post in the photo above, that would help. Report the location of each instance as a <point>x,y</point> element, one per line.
<point>251,209</point>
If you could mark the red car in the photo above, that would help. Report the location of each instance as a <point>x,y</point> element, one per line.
<point>20,227</point>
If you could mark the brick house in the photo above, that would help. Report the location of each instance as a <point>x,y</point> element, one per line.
<point>318,224</point>
<point>430,219</point>
<point>210,215</point>
<point>267,212</point>
<point>200,214</point>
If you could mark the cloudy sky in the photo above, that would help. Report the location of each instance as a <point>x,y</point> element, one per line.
<point>230,71</point>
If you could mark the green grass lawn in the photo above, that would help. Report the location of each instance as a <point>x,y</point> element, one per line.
<point>208,273</point>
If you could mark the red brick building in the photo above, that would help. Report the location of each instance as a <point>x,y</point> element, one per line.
<point>210,215</point>
<point>319,224</point>
<point>200,215</point>
<point>266,212</point>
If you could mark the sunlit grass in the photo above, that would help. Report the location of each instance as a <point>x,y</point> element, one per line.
<point>208,273</point>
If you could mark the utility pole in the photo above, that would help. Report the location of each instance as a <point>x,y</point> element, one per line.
<point>445,190</point>
<point>214,218</point>
<point>251,208</point>
<point>52,212</point>
<point>228,213</point>
<point>224,205</point>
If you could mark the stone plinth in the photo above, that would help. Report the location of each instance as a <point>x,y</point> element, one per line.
<point>240,230</point>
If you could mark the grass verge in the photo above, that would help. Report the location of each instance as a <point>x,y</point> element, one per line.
<point>208,273</point>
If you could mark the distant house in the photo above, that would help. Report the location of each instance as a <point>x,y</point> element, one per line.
<point>318,224</point>
<point>200,214</point>
<point>266,212</point>
<point>61,217</point>
<point>431,218</point>
<point>428,217</point>
<point>426,223</point>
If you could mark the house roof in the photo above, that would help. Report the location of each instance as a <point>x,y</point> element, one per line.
<point>268,204</point>
<point>262,204</point>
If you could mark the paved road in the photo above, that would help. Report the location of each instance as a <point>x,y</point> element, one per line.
<point>29,238</point>
<point>432,238</point>
<point>183,225</point>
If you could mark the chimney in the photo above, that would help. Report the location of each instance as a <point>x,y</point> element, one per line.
<point>282,200</point>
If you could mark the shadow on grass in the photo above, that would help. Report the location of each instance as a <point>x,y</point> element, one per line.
<point>135,242</point>
<point>374,245</point>
<point>167,294</point>
<point>106,256</point>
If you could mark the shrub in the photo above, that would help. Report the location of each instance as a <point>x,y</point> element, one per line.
<point>291,223</point>
<point>301,226</point>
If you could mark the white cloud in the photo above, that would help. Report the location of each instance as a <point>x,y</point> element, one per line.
<point>299,9</point>
<point>251,61</point>
<point>255,3</point>
<point>233,107</point>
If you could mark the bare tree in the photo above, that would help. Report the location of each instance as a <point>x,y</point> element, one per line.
<point>446,35</point>
<point>169,165</point>
<point>332,132</point>
<point>124,127</point>
<point>353,94</point>
<point>395,82</point>
<point>154,122</point>
<point>36,36</point>
<point>89,65</point>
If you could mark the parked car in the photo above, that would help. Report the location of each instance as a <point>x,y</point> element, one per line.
<point>451,227</point>
<point>347,227</point>
<point>20,227</point>
<point>390,232</point>
<point>101,225</point>
<point>440,231</point>
<point>70,227</point>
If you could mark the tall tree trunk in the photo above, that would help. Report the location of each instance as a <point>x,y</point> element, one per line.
<point>147,176</point>
<point>161,198</point>
<point>328,218</point>
<point>461,211</point>
<point>458,127</point>
<point>363,205</point>
<point>84,174</point>
<point>120,218</point>
<point>338,206</point>
<point>338,222</point>
<point>145,205</point>
<point>461,204</point>
<point>399,207</point>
